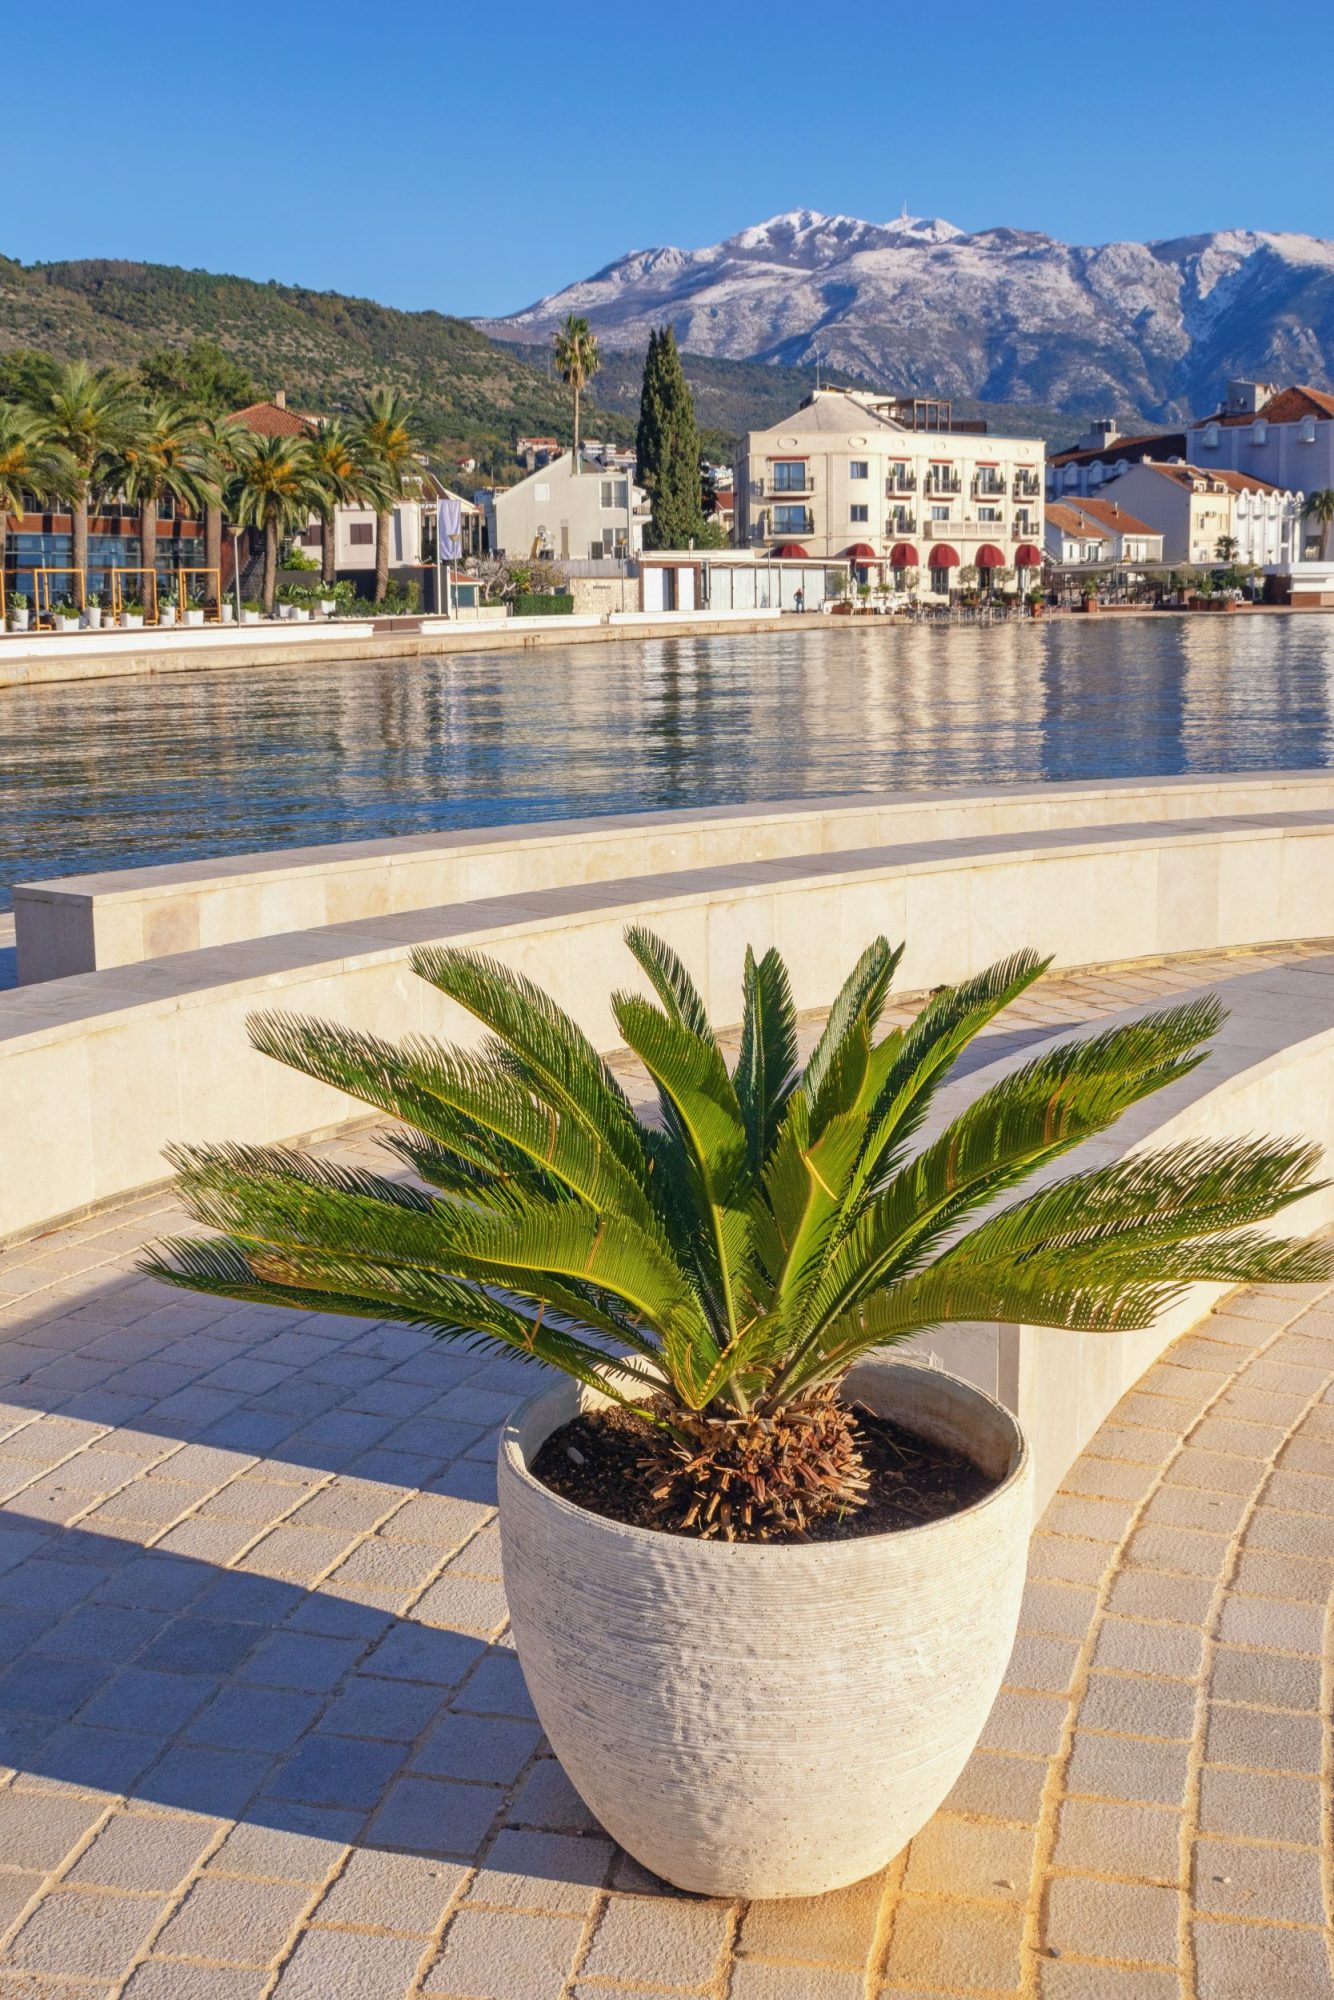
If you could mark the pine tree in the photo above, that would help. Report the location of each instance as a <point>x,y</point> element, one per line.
<point>667,448</point>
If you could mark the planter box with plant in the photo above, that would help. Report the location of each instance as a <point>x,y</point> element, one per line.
<point>19,613</point>
<point>763,1578</point>
<point>252,611</point>
<point>131,614</point>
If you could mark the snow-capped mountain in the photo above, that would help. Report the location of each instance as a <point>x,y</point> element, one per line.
<point>1008,315</point>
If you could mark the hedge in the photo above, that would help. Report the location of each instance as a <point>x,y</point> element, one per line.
<point>531,605</point>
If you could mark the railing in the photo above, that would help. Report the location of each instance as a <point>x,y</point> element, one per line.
<point>903,524</point>
<point>767,527</point>
<point>988,489</point>
<point>1026,487</point>
<point>937,484</point>
<point>769,489</point>
<point>902,482</point>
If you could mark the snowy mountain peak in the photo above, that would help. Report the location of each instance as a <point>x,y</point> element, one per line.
<point>1003,314</point>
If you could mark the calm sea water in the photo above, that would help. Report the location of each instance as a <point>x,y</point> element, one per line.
<point>123,772</point>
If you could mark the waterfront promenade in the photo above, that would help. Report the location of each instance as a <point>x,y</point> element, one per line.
<point>266,1736</point>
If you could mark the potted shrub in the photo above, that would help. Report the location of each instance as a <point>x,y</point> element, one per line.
<point>1088,595</point>
<point>226,612</point>
<point>194,611</point>
<point>66,615</point>
<point>166,608</point>
<point>92,614</point>
<point>252,611</point>
<point>131,614</point>
<point>19,614</point>
<point>761,1680</point>
<point>1037,603</point>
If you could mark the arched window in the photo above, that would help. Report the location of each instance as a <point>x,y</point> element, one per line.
<point>1210,437</point>
<point>1259,431</point>
<point>1306,435</point>
<point>1095,475</point>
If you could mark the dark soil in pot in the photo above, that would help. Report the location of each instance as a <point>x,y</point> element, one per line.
<point>611,1461</point>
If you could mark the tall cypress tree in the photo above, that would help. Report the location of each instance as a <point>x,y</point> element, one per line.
<point>667,448</point>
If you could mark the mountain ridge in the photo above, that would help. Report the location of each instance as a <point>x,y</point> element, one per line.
<point>996,314</point>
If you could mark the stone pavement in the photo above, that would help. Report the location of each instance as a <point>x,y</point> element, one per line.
<point>263,1733</point>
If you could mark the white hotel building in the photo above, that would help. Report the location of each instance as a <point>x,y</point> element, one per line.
<point>891,485</point>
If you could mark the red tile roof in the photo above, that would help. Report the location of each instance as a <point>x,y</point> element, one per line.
<point>272,420</point>
<point>1233,482</point>
<point>1110,514</point>
<point>1285,406</point>
<point>1071,521</point>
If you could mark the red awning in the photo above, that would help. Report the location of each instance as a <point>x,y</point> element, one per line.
<point>903,556</point>
<point>861,552</point>
<point>989,557</point>
<point>793,550</point>
<point>1027,557</point>
<point>943,557</point>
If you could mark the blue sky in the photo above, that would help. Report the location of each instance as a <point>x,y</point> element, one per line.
<point>472,158</point>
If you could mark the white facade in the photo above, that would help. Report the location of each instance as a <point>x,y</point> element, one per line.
<point>560,513</point>
<point>846,478</point>
<point>1288,441</point>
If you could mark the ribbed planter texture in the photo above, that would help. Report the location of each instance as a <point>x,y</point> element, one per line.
<point>752,1720</point>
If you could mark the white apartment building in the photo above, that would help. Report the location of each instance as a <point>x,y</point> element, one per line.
<point>1199,513</point>
<point>558,513</point>
<point>890,485</point>
<point>1284,437</point>
<point>1085,532</point>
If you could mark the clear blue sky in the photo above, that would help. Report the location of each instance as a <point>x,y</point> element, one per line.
<point>472,157</point>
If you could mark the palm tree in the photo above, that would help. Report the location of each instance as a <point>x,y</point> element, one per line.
<point>87,416</point>
<point>773,1226</point>
<point>272,488</point>
<point>29,464</point>
<point>222,435</point>
<point>388,446</point>
<point>577,362</point>
<point>348,479</point>
<point>166,453</point>
<point>1320,507</point>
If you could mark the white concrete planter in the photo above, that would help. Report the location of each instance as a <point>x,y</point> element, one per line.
<point>251,617</point>
<point>92,617</point>
<point>194,617</point>
<point>768,1721</point>
<point>67,624</point>
<point>18,620</point>
<point>228,614</point>
<point>328,605</point>
<point>131,621</point>
<point>167,615</point>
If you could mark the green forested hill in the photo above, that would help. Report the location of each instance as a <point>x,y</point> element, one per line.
<point>324,349</point>
<point>472,393</point>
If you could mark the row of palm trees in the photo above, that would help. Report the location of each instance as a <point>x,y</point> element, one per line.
<point>82,437</point>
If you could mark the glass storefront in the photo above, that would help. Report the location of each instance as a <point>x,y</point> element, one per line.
<point>25,553</point>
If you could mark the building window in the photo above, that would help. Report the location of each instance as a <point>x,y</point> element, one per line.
<point>859,468</point>
<point>791,521</point>
<point>988,513</point>
<point>939,512</point>
<point>859,513</point>
<point>614,494</point>
<point>542,490</point>
<point>790,476</point>
<point>361,534</point>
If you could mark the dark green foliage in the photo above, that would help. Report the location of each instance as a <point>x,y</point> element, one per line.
<point>774,1223</point>
<point>212,380</point>
<point>667,448</point>
<point>529,604</point>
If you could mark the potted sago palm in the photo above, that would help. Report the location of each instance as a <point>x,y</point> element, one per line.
<point>763,1574</point>
<point>19,613</point>
<point>131,614</point>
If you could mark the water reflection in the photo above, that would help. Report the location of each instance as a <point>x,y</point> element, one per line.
<point>95,776</point>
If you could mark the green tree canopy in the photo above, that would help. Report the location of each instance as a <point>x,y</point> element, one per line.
<point>203,373</point>
<point>667,448</point>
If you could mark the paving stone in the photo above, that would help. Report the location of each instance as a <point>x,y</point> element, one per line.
<point>434,1816</point>
<point>1257,1621</point>
<point>1134,1705</point>
<point>414,1652</point>
<point>85,1934</point>
<point>54,1688</point>
<point>1062,1609</point>
<point>17,1887</point>
<point>1123,1767</point>
<point>955,1944</point>
<point>1263,1739</point>
<point>1231,1878</point>
<point>1068,1979</point>
<point>301,1660</point>
<point>397,1711</point>
<point>136,1697</point>
<point>994,1786</point>
<point>244,1922</point>
<point>1275,1680</point>
<point>1197,1507</point>
<point>1245,1803</point>
<point>1150,1594</point>
<point>959,1857</point>
<point>96,1760</point>
<point>501,1956</point>
<point>464,1603</point>
<point>254,1718</point>
<point>143,1851</point>
<point>1095,1836</point>
<point>753,1981</point>
<point>349,1965</point>
<point>1239,1961</point>
<point>338,1771</point>
<point>557,1872</point>
<point>217,1782</point>
<point>1042,1665</point>
<point>197,1646</point>
<point>471,1746</point>
<point>396,1892</point>
<point>38,1829</point>
<point>305,1844</point>
<point>1126,1920</point>
<point>547,1799</point>
<point>496,1686</point>
<point>1032,1724</point>
<point>657,1942</point>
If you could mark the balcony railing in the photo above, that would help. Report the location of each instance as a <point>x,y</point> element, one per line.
<point>802,525</point>
<point>901,524</point>
<point>943,483</point>
<point>901,482</point>
<point>768,488</point>
<point>1026,486</point>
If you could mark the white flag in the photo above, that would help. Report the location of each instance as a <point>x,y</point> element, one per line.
<point>449,525</point>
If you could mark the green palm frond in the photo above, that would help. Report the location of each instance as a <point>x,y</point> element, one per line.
<point>778,1223</point>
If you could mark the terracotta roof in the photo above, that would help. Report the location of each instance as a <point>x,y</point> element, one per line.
<point>1071,522</point>
<point>1109,514</point>
<point>1232,482</point>
<point>1285,406</point>
<point>272,420</point>
<point>1170,444</point>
